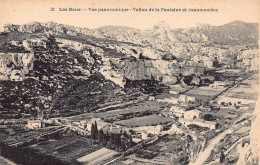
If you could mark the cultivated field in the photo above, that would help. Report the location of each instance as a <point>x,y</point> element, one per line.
<point>144,121</point>
<point>140,107</point>
<point>207,91</point>
<point>98,156</point>
<point>67,149</point>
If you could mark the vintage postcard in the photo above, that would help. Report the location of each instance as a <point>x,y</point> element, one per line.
<point>154,82</point>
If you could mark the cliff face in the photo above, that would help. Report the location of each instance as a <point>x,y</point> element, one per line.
<point>141,70</point>
<point>159,70</point>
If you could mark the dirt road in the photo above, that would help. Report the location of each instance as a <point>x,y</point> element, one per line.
<point>203,156</point>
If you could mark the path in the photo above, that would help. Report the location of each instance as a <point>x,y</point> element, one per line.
<point>4,161</point>
<point>149,161</point>
<point>203,156</point>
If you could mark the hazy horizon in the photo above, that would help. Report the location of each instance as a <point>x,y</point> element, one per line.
<point>130,26</point>
<point>22,12</point>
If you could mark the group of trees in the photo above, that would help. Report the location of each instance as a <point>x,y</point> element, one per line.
<point>118,141</point>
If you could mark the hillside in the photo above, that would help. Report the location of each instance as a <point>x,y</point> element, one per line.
<point>63,70</point>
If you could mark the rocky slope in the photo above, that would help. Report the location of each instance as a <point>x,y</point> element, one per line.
<point>66,70</point>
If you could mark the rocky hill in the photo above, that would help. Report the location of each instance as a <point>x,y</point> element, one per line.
<point>64,70</point>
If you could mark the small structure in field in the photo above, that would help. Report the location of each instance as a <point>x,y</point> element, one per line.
<point>151,98</point>
<point>33,124</point>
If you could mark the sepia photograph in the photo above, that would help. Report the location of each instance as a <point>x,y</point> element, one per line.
<point>133,82</point>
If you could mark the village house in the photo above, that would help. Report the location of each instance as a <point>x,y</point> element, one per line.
<point>145,135</point>
<point>75,123</point>
<point>204,123</point>
<point>219,84</point>
<point>182,98</point>
<point>174,92</point>
<point>174,128</point>
<point>177,111</point>
<point>192,114</point>
<point>174,100</point>
<point>115,128</point>
<point>226,100</point>
<point>149,129</point>
<point>100,124</point>
<point>187,99</point>
<point>33,124</point>
<point>136,140</point>
<point>151,98</point>
<point>83,124</point>
<point>137,137</point>
<point>199,122</point>
<point>15,43</point>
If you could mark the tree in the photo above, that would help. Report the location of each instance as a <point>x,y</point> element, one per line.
<point>222,157</point>
<point>130,142</point>
<point>95,130</point>
<point>52,45</point>
<point>92,131</point>
<point>117,139</point>
<point>101,137</point>
<point>112,138</point>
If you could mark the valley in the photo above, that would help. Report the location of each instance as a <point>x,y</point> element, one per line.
<point>120,95</point>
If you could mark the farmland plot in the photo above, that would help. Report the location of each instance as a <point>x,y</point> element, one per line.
<point>144,121</point>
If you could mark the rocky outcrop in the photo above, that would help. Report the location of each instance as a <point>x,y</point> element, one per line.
<point>249,153</point>
<point>150,69</point>
<point>249,59</point>
<point>31,27</point>
<point>113,72</point>
<point>10,27</point>
<point>149,46</point>
<point>14,66</point>
<point>141,70</point>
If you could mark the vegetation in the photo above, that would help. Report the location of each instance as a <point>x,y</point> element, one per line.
<point>116,141</point>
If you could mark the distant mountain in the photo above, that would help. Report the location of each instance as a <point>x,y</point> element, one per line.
<point>233,33</point>
<point>112,27</point>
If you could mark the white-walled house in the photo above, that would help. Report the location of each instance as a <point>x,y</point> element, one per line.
<point>192,114</point>
<point>100,124</point>
<point>187,99</point>
<point>33,124</point>
<point>149,129</point>
<point>226,100</point>
<point>177,111</point>
<point>199,122</point>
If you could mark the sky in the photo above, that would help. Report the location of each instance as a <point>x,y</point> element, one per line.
<point>26,11</point>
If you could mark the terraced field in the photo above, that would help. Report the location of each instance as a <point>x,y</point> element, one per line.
<point>67,149</point>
